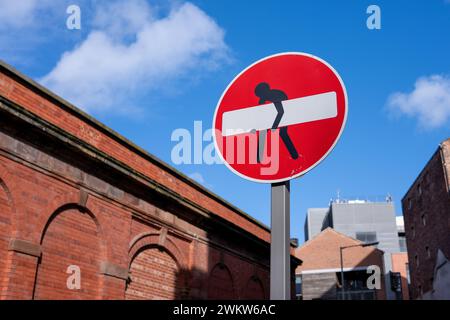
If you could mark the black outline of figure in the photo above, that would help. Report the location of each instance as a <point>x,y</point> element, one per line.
<point>265,93</point>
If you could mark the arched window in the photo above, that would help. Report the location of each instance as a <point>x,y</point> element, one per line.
<point>254,289</point>
<point>71,238</point>
<point>6,212</point>
<point>154,275</point>
<point>220,283</point>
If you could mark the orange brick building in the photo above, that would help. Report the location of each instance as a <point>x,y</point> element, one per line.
<point>320,271</point>
<point>400,264</point>
<point>73,192</point>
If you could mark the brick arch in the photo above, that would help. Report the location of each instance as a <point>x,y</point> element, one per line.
<point>254,289</point>
<point>147,239</point>
<point>8,187</point>
<point>68,201</point>
<point>57,205</point>
<point>7,214</point>
<point>69,206</point>
<point>71,236</point>
<point>221,283</point>
<point>158,271</point>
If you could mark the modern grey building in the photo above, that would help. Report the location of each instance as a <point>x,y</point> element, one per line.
<point>363,220</point>
<point>315,222</point>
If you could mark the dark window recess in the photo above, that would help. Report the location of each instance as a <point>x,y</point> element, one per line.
<point>355,283</point>
<point>366,237</point>
<point>402,243</point>
<point>298,286</point>
<point>396,281</point>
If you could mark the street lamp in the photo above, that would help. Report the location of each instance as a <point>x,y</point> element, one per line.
<point>368,244</point>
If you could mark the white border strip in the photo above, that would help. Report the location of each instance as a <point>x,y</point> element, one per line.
<point>332,270</point>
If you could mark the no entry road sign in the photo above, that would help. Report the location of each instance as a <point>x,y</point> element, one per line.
<point>280,117</point>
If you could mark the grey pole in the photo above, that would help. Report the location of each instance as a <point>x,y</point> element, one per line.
<point>280,257</point>
<point>342,274</point>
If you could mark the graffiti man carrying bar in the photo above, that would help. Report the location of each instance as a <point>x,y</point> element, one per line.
<point>264,93</point>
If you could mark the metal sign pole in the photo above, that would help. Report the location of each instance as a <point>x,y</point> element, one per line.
<point>280,258</point>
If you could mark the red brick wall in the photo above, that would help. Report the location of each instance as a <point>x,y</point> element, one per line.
<point>71,238</point>
<point>220,283</point>
<point>254,290</point>
<point>48,216</point>
<point>323,252</point>
<point>5,223</point>
<point>154,275</point>
<point>400,264</point>
<point>19,277</point>
<point>426,211</point>
<point>57,210</point>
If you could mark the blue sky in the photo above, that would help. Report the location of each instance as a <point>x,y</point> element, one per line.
<point>146,68</point>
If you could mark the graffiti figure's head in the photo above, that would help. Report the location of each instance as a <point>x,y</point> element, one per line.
<point>262,90</point>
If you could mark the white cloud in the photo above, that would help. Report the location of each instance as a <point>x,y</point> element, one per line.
<point>429,101</point>
<point>197,176</point>
<point>134,51</point>
<point>29,14</point>
<point>17,13</point>
<point>122,18</point>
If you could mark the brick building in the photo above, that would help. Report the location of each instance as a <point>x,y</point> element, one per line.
<point>367,221</point>
<point>400,265</point>
<point>318,277</point>
<point>426,210</point>
<point>75,193</point>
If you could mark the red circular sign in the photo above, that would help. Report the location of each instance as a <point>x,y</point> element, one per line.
<point>280,117</point>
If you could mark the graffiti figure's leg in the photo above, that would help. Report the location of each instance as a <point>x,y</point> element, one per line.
<point>261,145</point>
<point>288,142</point>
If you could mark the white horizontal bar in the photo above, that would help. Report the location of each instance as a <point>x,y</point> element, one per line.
<point>314,271</point>
<point>300,110</point>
